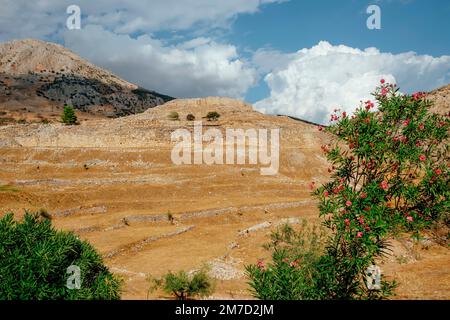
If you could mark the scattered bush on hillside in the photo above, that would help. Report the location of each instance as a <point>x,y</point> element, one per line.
<point>170,217</point>
<point>390,173</point>
<point>184,286</point>
<point>173,116</point>
<point>213,116</point>
<point>69,117</point>
<point>190,117</point>
<point>35,259</point>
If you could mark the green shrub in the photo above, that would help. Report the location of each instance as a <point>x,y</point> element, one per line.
<point>183,286</point>
<point>190,117</point>
<point>69,117</point>
<point>8,188</point>
<point>213,116</point>
<point>291,274</point>
<point>173,116</point>
<point>170,217</point>
<point>35,258</point>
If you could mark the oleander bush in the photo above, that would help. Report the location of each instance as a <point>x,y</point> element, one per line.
<point>35,259</point>
<point>291,273</point>
<point>389,173</point>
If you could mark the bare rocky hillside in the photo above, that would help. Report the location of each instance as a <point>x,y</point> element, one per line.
<point>441,99</point>
<point>37,78</point>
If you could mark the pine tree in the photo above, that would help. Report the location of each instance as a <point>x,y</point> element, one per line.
<point>69,117</point>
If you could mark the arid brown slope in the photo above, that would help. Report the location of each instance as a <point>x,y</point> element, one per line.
<point>37,78</point>
<point>113,182</point>
<point>441,99</point>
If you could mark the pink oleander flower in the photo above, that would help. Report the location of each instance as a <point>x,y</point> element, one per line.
<point>384,91</point>
<point>334,117</point>
<point>418,95</point>
<point>409,218</point>
<point>369,105</point>
<point>421,126</point>
<point>438,171</point>
<point>384,185</point>
<point>422,157</point>
<point>363,195</point>
<point>347,222</point>
<point>382,81</point>
<point>359,234</point>
<point>261,265</point>
<point>348,203</point>
<point>294,263</point>
<point>326,194</point>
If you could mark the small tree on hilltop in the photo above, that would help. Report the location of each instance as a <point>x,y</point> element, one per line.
<point>173,116</point>
<point>69,117</point>
<point>213,116</point>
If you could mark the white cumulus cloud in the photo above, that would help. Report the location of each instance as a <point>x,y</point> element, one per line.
<point>324,77</point>
<point>195,65</point>
<point>196,68</point>
<point>47,18</point>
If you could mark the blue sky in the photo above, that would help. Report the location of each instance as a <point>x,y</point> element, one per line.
<point>298,57</point>
<point>420,26</point>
